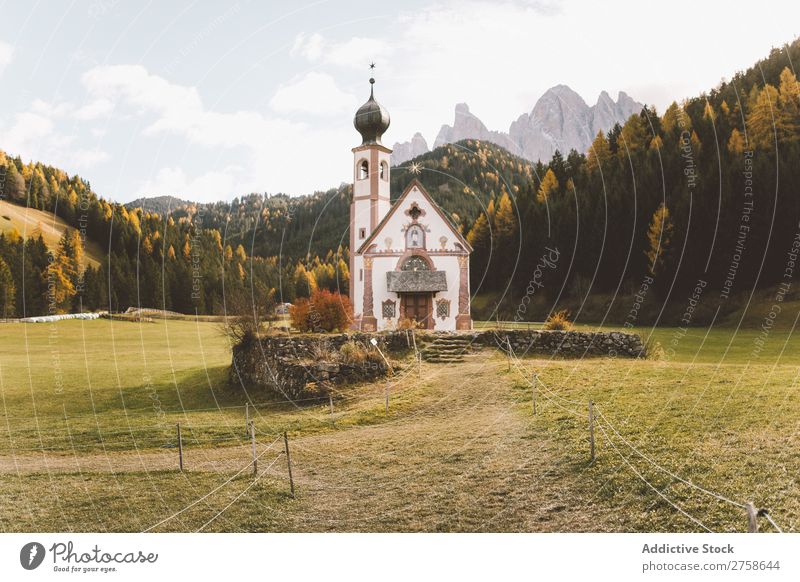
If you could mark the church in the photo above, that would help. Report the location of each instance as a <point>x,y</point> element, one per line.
<point>407,260</point>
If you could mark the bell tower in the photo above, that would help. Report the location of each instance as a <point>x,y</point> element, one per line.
<point>371,163</point>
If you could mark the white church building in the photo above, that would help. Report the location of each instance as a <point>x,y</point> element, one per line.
<point>407,260</point>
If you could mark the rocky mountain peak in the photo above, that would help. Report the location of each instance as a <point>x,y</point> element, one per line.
<point>402,152</point>
<point>560,119</point>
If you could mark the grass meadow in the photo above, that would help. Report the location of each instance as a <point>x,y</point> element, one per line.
<point>88,415</point>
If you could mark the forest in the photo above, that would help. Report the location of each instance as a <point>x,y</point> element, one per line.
<point>705,191</point>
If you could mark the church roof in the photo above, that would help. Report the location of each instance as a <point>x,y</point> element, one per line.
<point>463,241</point>
<point>371,120</point>
<point>416,281</point>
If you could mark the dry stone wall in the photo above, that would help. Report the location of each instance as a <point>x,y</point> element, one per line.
<point>305,366</point>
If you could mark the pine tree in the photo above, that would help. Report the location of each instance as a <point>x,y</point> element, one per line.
<point>505,222</point>
<point>14,188</point>
<point>659,237</point>
<point>761,121</point>
<point>60,286</point>
<point>633,137</point>
<point>480,235</point>
<point>8,291</point>
<point>599,153</point>
<point>736,143</point>
<point>241,254</point>
<point>675,119</point>
<point>789,107</point>
<point>548,187</point>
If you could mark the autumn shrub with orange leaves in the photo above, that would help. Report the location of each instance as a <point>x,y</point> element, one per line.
<point>325,311</point>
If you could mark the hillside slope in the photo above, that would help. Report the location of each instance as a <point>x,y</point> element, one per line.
<point>28,220</point>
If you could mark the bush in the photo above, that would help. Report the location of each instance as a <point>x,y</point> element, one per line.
<point>558,321</point>
<point>353,353</point>
<point>405,323</point>
<point>323,312</point>
<point>655,351</point>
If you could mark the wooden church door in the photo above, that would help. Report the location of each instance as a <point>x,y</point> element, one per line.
<point>417,306</point>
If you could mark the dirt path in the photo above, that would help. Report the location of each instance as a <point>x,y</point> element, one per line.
<point>465,458</point>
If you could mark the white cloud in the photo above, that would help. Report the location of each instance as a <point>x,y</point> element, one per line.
<point>95,109</point>
<point>355,52</point>
<point>50,110</point>
<point>315,93</point>
<point>500,56</point>
<point>29,128</point>
<point>309,46</point>
<point>34,135</point>
<point>86,158</point>
<point>177,105</point>
<point>6,55</point>
<point>275,151</point>
<point>172,181</point>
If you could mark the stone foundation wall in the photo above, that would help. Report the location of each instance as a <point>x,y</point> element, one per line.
<point>569,344</point>
<point>306,366</point>
<point>303,366</point>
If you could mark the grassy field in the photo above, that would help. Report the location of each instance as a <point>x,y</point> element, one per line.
<point>27,220</point>
<point>89,409</point>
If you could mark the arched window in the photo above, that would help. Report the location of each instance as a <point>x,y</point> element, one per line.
<point>414,263</point>
<point>384,171</point>
<point>415,237</point>
<point>363,170</point>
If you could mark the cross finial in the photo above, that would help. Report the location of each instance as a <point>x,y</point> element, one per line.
<point>372,65</point>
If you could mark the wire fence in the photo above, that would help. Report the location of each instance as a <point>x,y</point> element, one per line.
<point>219,487</point>
<point>597,418</point>
<point>627,451</point>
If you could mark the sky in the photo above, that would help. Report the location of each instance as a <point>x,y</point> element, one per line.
<point>210,100</point>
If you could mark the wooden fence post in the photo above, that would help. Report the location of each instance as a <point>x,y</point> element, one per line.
<point>535,379</point>
<point>253,442</point>
<point>417,353</point>
<point>752,518</point>
<point>246,417</point>
<point>180,448</point>
<point>288,462</point>
<point>591,431</point>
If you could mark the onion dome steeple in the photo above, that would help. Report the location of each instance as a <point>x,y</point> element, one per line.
<point>371,119</point>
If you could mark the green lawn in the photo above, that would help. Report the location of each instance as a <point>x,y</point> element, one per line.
<point>88,412</point>
<point>88,384</point>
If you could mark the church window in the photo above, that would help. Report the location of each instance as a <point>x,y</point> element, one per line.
<point>414,263</point>
<point>362,233</point>
<point>363,170</point>
<point>443,308</point>
<point>388,309</point>
<point>384,171</point>
<point>415,237</point>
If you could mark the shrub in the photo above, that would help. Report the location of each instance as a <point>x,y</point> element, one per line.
<point>407,323</point>
<point>322,352</point>
<point>353,353</point>
<point>655,351</point>
<point>323,312</point>
<point>558,321</point>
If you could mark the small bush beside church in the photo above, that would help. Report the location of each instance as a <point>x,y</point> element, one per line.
<point>324,312</point>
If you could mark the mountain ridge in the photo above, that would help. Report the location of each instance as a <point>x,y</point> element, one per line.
<point>560,120</point>
<point>163,204</point>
